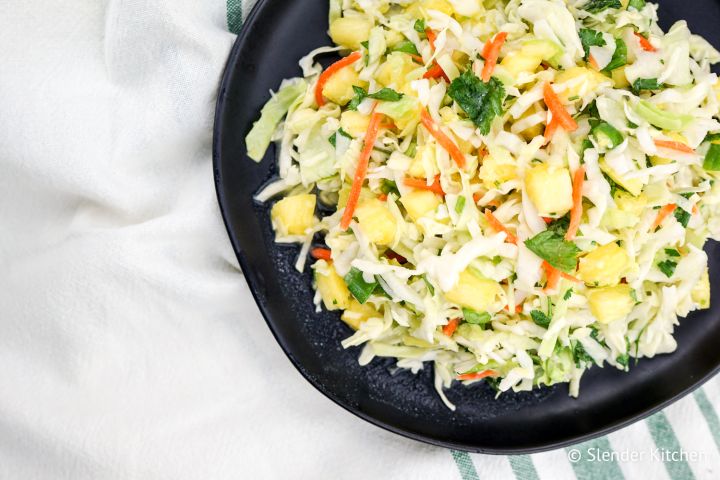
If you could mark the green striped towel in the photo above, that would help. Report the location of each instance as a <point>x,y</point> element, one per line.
<point>680,443</point>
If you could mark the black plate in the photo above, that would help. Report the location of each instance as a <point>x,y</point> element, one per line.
<point>277,34</point>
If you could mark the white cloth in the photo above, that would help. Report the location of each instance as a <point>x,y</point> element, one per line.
<point>130,347</point>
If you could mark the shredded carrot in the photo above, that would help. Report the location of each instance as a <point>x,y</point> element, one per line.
<point>577,210</point>
<point>450,328</point>
<point>664,212</point>
<point>388,125</point>
<point>361,170</point>
<point>442,139</point>
<point>431,36</point>
<point>547,220</point>
<point>477,197</point>
<point>382,197</point>
<point>486,48</point>
<point>518,308</point>
<point>558,110</point>
<point>553,277</point>
<point>492,56</point>
<point>645,43</point>
<point>695,209</point>
<point>477,376</point>
<point>550,130</point>
<point>421,184</point>
<point>417,58</point>
<point>593,63</point>
<point>499,227</point>
<point>549,271</point>
<point>320,253</point>
<point>679,146</point>
<point>436,71</point>
<point>332,70</point>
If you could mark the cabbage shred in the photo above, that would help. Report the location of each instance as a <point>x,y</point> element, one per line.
<point>423,274</point>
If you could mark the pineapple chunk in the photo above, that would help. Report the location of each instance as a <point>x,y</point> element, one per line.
<point>584,79</point>
<point>619,78</point>
<point>294,215</point>
<point>701,291</point>
<point>632,185</point>
<point>518,62</point>
<point>424,164</point>
<point>333,291</point>
<point>634,205</point>
<point>393,37</point>
<point>626,213</point>
<point>339,89</point>
<point>611,303</point>
<point>474,292</point>
<point>354,122</point>
<point>545,49</point>
<point>550,189</point>
<point>395,70</point>
<point>419,203</point>
<point>420,8</point>
<point>497,168</point>
<point>357,313</point>
<point>351,31</point>
<point>603,266</point>
<point>376,221</point>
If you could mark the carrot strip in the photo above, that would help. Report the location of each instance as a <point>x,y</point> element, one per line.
<point>577,210</point>
<point>499,227</point>
<point>382,197</point>
<point>645,43</point>
<point>550,130</point>
<point>553,277</point>
<point>422,184</point>
<point>492,56</point>
<point>442,139</point>
<point>417,58</point>
<point>332,70</point>
<point>436,71</point>
<point>320,253</point>
<point>679,146</point>
<point>664,212</point>
<point>518,308</point>
<point>431,36</point>
<point>556,107</point>
<point>552,271</point>
<point>450,328</point>
<point>361,170</point>
<point>593,63</point>
<point>547,220</point>
<point>486,48</point>
<point>477,376</point>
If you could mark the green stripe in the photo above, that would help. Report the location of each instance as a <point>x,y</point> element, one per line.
<point>234,15</point>
<point>710,415</point>
<point>589,467</point>
<point>523,467</point>
<point>665,439</point>
<point>465,465</point>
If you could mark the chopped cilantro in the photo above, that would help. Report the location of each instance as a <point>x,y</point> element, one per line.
<point>481,101</point>
<point>553,248</point>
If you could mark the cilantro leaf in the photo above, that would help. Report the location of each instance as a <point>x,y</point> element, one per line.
<point>667,267</point>
<point>597,6</point>
<point>357,285</point>
<point>560,225</point>
<point>636,4</point>
<point>553,248</point>
<point>481,101</point>
<point>568,294</point>
<point>406,47</point>
<point>590,38</point>
<point>646,84</point>
<point>476,318</point>
<point>580,355</point>
<point>671,252</point>
<point>619,58</point>
<point>419,26</point>
<point>385,94</point>
<point>682,216</point>
<point>388,186</point>
<point>360,95</point>
<point>623,360</point>
<point>540,318</point>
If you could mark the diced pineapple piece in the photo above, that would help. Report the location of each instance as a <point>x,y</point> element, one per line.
<point>701,291</point>
<point>611,303</point>
<point>627,211</point>
<point>333,291</point>
<point>474,292</point>
<point>545,49</point>
<point>497,168</point>
<point>357,313</point>
<point>634,205</point>
<point>584,80</point>
<point>339,89</point>
<point>351,31</point>
<point>632,185</point>
<point>419,203</point>
<point>293,215</point>
<point>394,71</point>
<point>420,8</point>
<point>619,78</point>
<point>354,122</point>
<point>605,265</point>
<point>424,164</point>
<point>376,221</point>
<point>393,37</point>
<point>550,189</point>
<point>518,62</point>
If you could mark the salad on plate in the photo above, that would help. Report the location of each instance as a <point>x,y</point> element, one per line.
<point>513,190</point>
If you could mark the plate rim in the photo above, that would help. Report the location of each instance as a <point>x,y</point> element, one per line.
<point>250,278</point>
